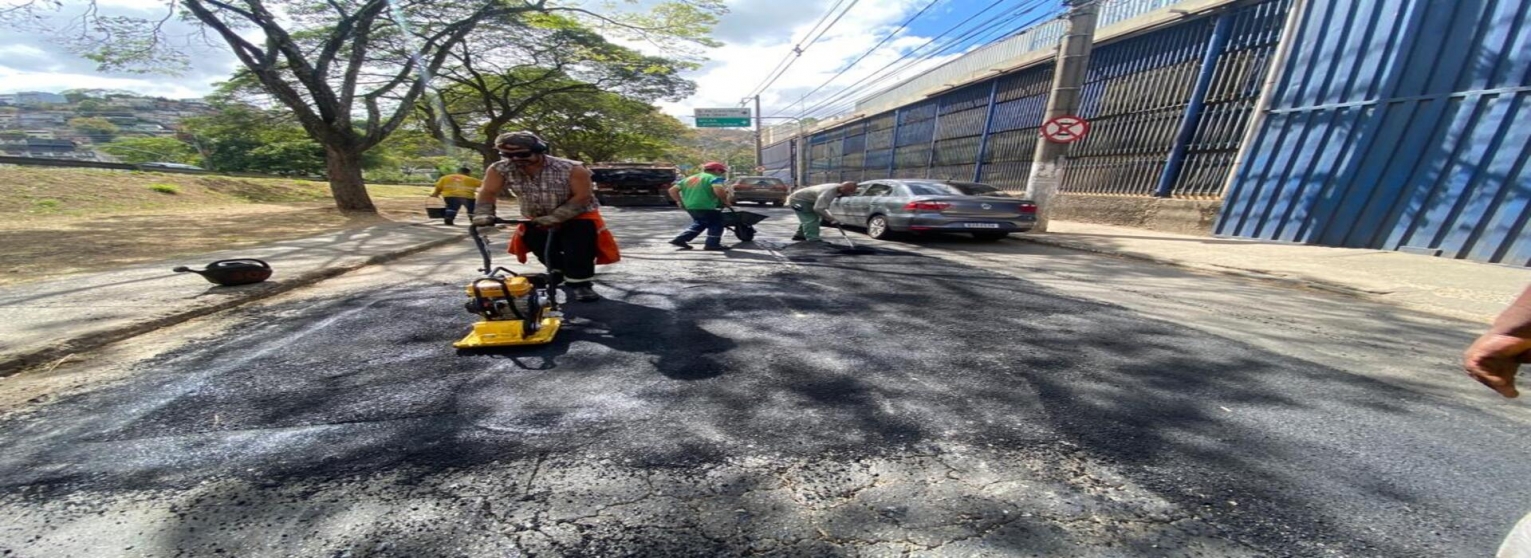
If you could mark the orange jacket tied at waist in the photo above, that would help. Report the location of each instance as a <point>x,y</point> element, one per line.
<point>606,252</point>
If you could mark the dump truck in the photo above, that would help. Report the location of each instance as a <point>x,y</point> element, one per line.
<point>633,184</point>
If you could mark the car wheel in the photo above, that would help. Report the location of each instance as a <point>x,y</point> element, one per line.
<point>877,227</point>
<point>778,203</point>
<point>990,236</point>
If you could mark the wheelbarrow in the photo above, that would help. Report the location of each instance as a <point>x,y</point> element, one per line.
<point>742,223</point>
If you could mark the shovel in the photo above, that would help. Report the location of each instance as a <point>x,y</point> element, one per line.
<point>853,250</point>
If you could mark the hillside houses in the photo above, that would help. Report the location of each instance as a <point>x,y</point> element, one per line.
<point>37,124</point>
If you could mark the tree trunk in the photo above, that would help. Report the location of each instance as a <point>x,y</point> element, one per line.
<point>344,165</point>
<point>490,155</point>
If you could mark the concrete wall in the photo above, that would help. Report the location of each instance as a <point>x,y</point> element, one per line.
<point>1169,215</point>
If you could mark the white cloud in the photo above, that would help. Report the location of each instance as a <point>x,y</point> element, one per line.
<point>28,51</point>
<point>21,80</point>
<point>736,68</point>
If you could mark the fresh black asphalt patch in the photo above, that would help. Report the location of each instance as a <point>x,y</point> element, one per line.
<point>693,364</point>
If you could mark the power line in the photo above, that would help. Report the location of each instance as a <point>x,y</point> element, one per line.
<point>797,51</point>
<point>832,23</point>
<point>848,101</point>
<point>987,27</point>
<point>911,52</point>
<point>983,33</point>
<point>863,56</point>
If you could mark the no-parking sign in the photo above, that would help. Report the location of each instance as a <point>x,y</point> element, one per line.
<point>1066,129</point>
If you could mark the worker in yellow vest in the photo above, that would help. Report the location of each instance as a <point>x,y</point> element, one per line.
<point>457,190</point>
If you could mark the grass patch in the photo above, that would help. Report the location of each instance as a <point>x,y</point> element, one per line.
<point>53,192</point>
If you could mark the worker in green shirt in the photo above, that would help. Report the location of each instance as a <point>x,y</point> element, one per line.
<point>703,196</point>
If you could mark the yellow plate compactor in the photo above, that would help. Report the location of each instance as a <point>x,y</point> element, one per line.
<point>513,309</point>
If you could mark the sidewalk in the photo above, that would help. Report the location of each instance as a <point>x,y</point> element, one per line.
<point>45,321</point>
<point>1454,288</point>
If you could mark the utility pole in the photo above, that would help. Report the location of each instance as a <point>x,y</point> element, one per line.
<point>1068,80</point>
<point>759,149</point>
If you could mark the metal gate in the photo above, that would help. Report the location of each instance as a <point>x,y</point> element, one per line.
<point>1399,125</point>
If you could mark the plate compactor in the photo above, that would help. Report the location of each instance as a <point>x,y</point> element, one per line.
<point>514,309</point>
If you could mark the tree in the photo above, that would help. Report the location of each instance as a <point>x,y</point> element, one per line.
<point>152,149</point>
<point>243,138</point>
<point>735,148</point>
<point>605,127</point>
<point>88,106</point>
<point>99,129</point>
<point>548,60</point>
<point>349,70</point>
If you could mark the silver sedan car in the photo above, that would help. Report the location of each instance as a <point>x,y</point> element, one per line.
<point>890,206</point>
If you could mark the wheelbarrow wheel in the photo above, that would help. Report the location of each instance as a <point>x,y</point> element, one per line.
<point>745,233</point>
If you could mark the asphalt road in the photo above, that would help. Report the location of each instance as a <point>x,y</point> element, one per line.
<point>943,397</point>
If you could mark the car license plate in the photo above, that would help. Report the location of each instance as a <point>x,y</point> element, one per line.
<point>981,225</point>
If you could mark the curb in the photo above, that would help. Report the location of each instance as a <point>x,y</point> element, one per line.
<point>20,361</point>
<point>1315,284</point>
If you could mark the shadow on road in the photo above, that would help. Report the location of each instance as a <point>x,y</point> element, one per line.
<point>691,363</point>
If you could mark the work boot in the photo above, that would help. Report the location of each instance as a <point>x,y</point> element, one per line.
<point>799,237</point>
<point>716,248</point>
<point>678,243</point>
<point>449,222</point>
<point>583,292</point>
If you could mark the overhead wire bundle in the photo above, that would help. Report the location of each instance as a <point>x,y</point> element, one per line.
<point>997,27</point>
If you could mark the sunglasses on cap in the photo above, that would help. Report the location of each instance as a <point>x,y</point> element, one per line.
<point>517,154</point>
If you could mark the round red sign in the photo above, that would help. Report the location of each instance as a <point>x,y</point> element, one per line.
<point>1066,129</point>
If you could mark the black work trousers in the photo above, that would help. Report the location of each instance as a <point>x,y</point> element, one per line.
<point>573,248</point>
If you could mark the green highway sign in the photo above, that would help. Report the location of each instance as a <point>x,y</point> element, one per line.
<point>722,117</point>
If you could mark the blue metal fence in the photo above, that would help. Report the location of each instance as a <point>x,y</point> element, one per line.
<point>1137,96</point>
<point>1399,125</point>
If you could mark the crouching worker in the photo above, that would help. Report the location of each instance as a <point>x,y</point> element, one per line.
<point>558,197</point>
<point>812,207</point>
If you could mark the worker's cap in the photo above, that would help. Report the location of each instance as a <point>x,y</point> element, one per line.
<point>523,139</point>
<point>714,166</point>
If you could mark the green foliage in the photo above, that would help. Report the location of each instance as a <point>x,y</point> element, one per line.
<point>735,148</point>
<point>47,205</point>
<point>551,63</point>
<point>88,106</point>
<point>243,138</point>
<point>137,150</point>
<point>605,127</point>
<point>165,188</point>
<point>682,27</point>
<point>99,129</point>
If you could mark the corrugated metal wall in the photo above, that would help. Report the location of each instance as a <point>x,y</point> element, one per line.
<point>1400,125</point>
<point>777,159</point>
<point>1019,103</point>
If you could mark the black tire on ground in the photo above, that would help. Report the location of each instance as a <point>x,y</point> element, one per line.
<point>990,236</point>
<point>745,233</point>
<point>778,203</point>
<point>877,227</point>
